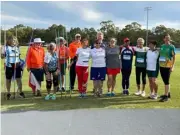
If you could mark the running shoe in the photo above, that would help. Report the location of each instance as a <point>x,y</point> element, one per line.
<point>8,96</point>
<point>47,97</point>
<point>112,94</point>
<point>63,90</point>
<point>138,93</point>
<point>127,92</point>
<point>108,94</point>
<point>124,92</point>
<point>22,95</point>
<point>169,95</point>
<point>164,99</point>
<point>53,97</point>
<point>84,95</point>
<point>143,94</point>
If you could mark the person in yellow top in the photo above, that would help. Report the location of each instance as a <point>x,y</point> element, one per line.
<point>166,62</point>
<point>72,53</point>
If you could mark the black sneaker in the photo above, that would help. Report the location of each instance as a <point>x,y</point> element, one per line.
<point>22,95</point>
<point>8,96</point>
<point>169,95</point>
<point>127,92</point>
<point>164,99</point>
<point>63,90</point>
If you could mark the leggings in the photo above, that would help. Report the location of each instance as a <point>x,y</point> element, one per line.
<point>82,75</point>
<point>125,78</point>
<point>138,75</point>
<point>165,74</point>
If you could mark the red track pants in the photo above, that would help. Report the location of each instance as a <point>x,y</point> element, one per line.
<point>82,75</point>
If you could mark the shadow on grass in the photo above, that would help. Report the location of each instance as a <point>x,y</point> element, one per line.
<point>38,103</point>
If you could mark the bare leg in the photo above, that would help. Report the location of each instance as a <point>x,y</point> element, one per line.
<point>109,83</point>
<point>113,82</point>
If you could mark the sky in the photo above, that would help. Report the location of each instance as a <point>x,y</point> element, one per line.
<point>88,14</point>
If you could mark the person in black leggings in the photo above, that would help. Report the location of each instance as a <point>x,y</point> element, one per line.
<point>166,62</point>
<point>127,53</point>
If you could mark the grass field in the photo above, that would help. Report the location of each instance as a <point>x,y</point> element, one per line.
<point>119,101</point>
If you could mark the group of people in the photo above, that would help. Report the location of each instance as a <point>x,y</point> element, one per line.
<point>107,59</point>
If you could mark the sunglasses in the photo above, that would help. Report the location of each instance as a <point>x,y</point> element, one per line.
<point>61,40</point>
<point>98,43</point>
<point>78,36</point>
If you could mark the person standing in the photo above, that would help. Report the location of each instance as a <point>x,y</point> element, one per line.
<point>51,70</point>
<point>82,57</point>
<point>113,65</point>
<point>35,61</point>
<point>13,69</point>
<point>63,54</point>
<point>100,38</point>
<point>98,68</point>
<point>127,53</point>
<point>166,60</point>
<point>140,63</point>
<point>72,53</point>
<point>152,61</point>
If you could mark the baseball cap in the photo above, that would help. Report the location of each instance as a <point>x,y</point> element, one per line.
<point>126,39</point>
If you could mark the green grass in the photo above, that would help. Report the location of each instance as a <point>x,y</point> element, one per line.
<point>31,103</point>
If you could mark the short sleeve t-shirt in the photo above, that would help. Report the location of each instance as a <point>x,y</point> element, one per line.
<point>127,57</point>
<point>166,54</point>
<point>140,54</point>
<point>83,56</point>
<point>112,57</point>
<point>98,57</point>
<point>51,60</point>
<point>152,60</point>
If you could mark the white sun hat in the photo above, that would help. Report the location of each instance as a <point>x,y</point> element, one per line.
<point>37,40</point>
<point>77,35</point>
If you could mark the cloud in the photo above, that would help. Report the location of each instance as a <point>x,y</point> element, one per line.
<point>85,10</point>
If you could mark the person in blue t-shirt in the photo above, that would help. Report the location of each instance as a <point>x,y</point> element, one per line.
<point>127,53</point>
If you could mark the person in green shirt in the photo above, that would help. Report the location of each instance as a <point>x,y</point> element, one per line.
<point>140,63</point>
<point>166,62</point>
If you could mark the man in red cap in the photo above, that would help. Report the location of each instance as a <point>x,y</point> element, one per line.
<point>127,53</point>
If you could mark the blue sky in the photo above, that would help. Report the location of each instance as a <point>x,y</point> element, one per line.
<point>88,14</point>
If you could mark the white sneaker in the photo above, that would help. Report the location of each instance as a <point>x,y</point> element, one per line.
<point>138,93</point>
<point>143,94</point>
<point>155,96</point>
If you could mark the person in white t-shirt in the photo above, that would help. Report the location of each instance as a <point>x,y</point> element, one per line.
<point>152,67</point>
<point>98,67</point>
<point>82,57</point>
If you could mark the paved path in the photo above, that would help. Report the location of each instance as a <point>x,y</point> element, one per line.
<point>92,122</point>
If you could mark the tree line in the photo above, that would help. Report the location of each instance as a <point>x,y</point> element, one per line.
<point>133,31</point>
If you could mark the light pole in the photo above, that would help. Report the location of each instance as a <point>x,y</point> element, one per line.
<point>147,10</point>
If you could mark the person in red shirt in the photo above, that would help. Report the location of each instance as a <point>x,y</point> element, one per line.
<point>63,54</point>
<point>72,52</point>
<point>35,61</point>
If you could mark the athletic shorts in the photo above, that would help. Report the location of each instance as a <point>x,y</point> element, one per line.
<point>63,68</point>
<point>38,73</point>
<point>152,73</point>
<point>10,72</point>
<point>98,73</point>
<point>113,71</point>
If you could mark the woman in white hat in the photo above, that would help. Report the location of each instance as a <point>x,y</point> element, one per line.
<point>35,61</point>
<point>51,68</point>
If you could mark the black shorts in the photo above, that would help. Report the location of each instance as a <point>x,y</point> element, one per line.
<point>10,72</point>
<point>63,68</point>
<point>38,73</point>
